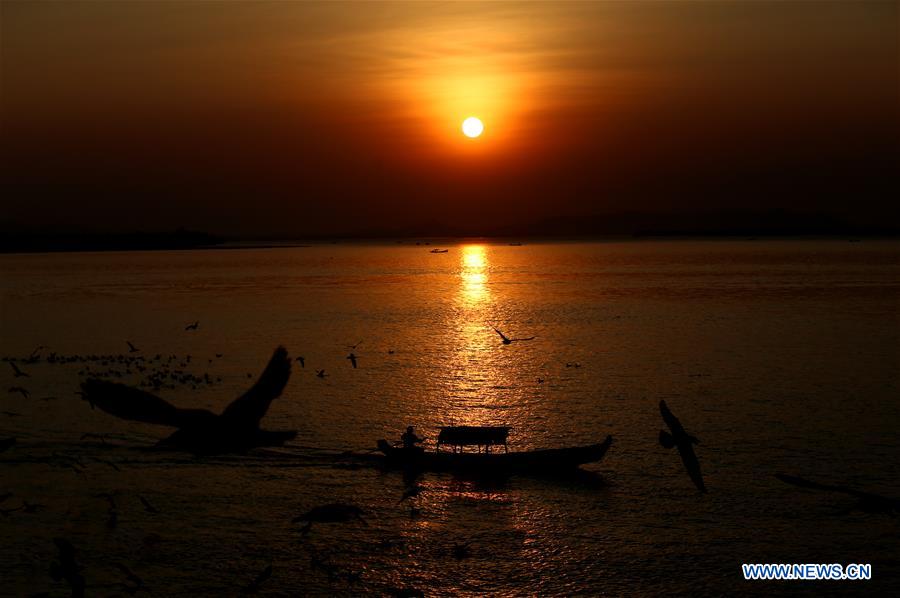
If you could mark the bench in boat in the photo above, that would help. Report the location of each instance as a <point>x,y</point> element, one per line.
<point>479,436</point>
<point>525,462</point>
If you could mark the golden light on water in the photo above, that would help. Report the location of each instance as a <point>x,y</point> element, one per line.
<point>470,393</point>
<point>473,272</point>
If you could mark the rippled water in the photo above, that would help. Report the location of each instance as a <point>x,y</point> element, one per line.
<point>779,356</point>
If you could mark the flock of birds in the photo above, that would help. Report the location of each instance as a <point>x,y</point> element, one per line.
<point>199,431</point>
<point>162,371</point>
<point>237,429</point>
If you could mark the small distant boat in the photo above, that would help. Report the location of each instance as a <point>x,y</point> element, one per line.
<point>539,461</point>
<point>439,250</point>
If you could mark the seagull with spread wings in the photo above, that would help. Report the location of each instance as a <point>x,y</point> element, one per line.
<point>17,372</point>
<point>684,442</point>
<point>22,391</point>
<point>235,430</point>
<point>866,501</point>
<point>508,341</point>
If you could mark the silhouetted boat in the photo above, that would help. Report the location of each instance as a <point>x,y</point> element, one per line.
<point>545,461</point>
<point>439,250</point>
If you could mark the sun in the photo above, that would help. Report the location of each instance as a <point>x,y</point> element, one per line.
<point>472,127</point>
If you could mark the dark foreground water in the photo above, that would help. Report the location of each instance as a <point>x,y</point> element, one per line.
<point>779,356</point>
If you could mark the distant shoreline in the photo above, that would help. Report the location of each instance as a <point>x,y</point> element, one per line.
<point>148,242</point>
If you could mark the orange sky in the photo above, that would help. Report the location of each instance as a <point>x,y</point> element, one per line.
<point>303,118</point>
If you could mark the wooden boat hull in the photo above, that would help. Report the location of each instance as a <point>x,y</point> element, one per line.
<point>541,461</point>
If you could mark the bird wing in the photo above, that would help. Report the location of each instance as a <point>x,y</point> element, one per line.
<point>689,458</point>
<point>684,442</point>
<point>503,336</point>
<point>530,338</point>
<point>885,502</point>
<point>248,409</point>
<point>666,439</point>
<point>804,483</point>
<point>134,404</point>
<point>671,420</point>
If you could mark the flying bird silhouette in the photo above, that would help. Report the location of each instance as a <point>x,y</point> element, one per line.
<point>684,442</point>
<point>18,373</point>
<point>330,513</point>
<point>353,347</point>
<point>302,361</point>
<point>136,583</point>
<point>193,326</point>
<point>321,373</point>
<point>235,430</point>
<point>147,506</point>
<point>352,359</point>
<point>131,347</point>
<point>867,502</point>
<point>109,464</point>
<point>508,341</point>
<point>23,391</point>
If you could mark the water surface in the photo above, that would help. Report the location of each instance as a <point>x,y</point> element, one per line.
<point>780,356</point>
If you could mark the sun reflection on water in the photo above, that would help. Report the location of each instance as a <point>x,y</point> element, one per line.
<point>474,274</point>
<point>475,380</point>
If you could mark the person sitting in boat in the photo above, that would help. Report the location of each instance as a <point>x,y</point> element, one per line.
<point>410,439</point>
